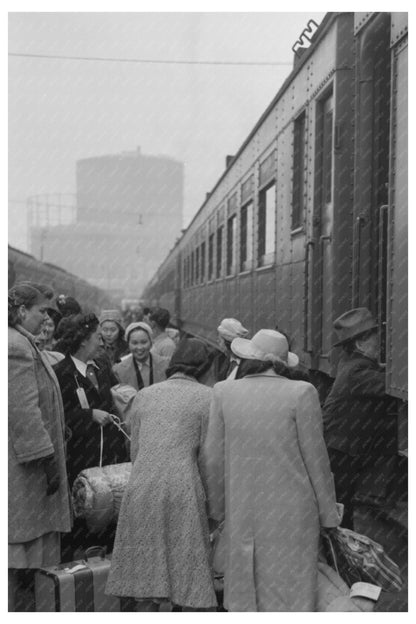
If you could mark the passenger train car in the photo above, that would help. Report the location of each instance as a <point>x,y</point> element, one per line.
<point>309,218</point>
<point>23,266</point>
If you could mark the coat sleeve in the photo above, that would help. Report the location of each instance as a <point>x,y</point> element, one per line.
<point>134,424</point>
<point>315,454</point>
<point>27,431</point>
<point>212,459</point>
<point>366,382</point>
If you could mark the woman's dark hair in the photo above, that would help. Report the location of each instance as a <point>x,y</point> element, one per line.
<point>21,294</point>
<point>76,328</point>
<point>45,291</point>
<point>255,367</point>
<point>55,316</point>
<point>68,306</point>
<point>191,357</point>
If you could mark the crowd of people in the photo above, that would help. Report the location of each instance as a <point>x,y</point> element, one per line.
<point>233,458</point>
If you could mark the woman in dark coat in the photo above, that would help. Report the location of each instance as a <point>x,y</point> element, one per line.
<point>85,385</point>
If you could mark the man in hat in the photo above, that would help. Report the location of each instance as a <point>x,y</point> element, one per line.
<point>226,363</point>
<point>359,424</point>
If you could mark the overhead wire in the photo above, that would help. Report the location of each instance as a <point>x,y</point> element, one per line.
<point>148,61</point>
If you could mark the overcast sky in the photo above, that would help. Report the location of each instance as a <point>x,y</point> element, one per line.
<point>64,110</point>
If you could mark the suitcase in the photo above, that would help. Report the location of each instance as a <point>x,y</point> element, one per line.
<point>78,586</point>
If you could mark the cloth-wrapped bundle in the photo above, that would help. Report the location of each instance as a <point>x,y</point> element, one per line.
<point>97,494</point>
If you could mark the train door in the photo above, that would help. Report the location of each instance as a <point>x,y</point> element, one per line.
<point>323,265</point>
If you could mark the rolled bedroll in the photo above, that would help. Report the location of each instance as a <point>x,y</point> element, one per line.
<point>97,494</point>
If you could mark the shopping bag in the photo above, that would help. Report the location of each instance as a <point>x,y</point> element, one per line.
<point>357,558</point>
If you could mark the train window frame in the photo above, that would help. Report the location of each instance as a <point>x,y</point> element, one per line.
<point>246,264</point>
<point>266,259</point>
<point>298,179</point>
<point>219,252</point>
<point>202,261</point>
<point>197,265</point>
<point>211,257</point>
<point>231,248</point>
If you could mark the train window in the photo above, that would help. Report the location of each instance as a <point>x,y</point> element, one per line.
<point>202,258</point>
<point>231,244</point>
<point>327,152</point>
<point>246,234</point>
<point>298,171</point>
<point>266,225</point>
<point>192,268</point>
<point>197,265</point>
<point>211,257</point>
<point>185,276</point>
<point>219,251</point>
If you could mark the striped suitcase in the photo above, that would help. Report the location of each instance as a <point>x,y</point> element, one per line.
<point>78,586</point>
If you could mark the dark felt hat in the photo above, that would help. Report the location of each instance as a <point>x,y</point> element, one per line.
<point>352,324</point>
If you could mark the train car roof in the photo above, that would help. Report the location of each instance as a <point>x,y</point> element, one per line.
<point>319,33</point>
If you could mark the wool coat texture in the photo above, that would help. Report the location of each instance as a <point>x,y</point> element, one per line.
<point>36,430</point>
<point>267,474</point>
<point>162,543</point>
<point>84,442</point>
<point>125,370</point>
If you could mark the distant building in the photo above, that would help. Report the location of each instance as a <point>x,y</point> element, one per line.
<point>129,214</point>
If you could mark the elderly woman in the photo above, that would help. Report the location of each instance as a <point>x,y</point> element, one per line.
<point>112,332</point>
<point>85,385</point>
<point>141,368</point>
<point>38,491</point>
<point>162,547</point>
<point>268,476</point>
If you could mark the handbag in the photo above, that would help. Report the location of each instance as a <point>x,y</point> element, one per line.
<point>358,558</point>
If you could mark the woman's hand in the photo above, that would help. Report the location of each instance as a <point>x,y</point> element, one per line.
<point>101,417</point>
<point>52,475</point>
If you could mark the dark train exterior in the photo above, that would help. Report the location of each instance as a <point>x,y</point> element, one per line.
<point>309,218</point>
<point>23,266</point>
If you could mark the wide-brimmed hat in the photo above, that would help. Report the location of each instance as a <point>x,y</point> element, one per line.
<point>111,315</point>
<point>266,345</point>
<point>230,328</point>
<point>139,325</point>
<point>352,324</point>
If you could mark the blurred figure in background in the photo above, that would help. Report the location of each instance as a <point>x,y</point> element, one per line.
<point>39,506</point>
<point>226,363</point>
<point>67,305</point>
<point>112,333</point>
<point>163,345</point>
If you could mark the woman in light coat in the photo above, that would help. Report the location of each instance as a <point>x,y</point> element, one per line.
<point>39,507</point>
<point>141,368</point>
<point>267,475</point>
<point>162,549</point>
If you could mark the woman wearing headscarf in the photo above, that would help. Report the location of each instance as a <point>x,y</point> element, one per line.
<point>162,547</point>
<point>38,491</point>
<point>141,368</point>
<point>112,332</point>
<point>268,477</point>
<point>93,438</point>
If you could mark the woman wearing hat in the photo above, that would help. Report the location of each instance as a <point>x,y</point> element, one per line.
<point>141,368</point>
<point>268,479</point>
<point>112,333</point>
<point>162,547</point>
<point>360,423</point>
